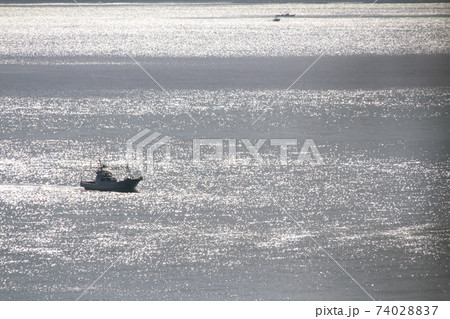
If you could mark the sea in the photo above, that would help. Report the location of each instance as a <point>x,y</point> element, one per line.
<point>304,159</point>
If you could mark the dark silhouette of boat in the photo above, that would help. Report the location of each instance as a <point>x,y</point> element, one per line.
<point>286,15</point>
<point>105,181</point>
<point>276,19</point>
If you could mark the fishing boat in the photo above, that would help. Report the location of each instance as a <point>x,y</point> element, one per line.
<point>276,19</point>
<point>286,15</point>
<point>105,181</point>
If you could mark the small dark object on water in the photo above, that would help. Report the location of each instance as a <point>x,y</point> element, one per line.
<point>105,181</point>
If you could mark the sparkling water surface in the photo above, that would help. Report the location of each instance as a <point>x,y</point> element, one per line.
<point>379,205</point>
<point>220,30</point>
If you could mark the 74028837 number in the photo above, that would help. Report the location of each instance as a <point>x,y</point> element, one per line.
<point>407,310</point>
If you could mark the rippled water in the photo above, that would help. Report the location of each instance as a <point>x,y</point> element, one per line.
<point>221,30</point>
<point>379,204</point>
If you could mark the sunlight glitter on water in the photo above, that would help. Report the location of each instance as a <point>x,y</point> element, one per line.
<point>379,204</point>
<point>231,30</point>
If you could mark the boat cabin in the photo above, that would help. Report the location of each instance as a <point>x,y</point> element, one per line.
<point>104,176</point>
